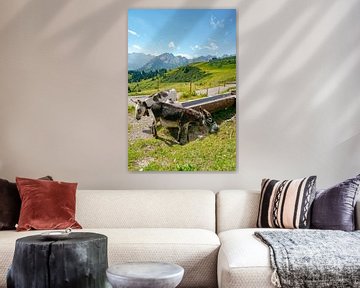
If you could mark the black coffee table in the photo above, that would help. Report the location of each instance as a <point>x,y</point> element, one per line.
<point>80,261</point>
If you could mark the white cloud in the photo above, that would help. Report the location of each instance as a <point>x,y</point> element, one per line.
<point>196,47</point>
<point>137,47</point>
<point>188,56</point>
<point>211,46</point>
<point>171,44</point>
<point>216,23</point>
<point>132,32</point>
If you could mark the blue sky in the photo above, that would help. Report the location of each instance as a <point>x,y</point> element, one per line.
<point>187,32</point>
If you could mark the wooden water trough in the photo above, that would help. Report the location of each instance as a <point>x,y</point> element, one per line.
<point>212,103</point>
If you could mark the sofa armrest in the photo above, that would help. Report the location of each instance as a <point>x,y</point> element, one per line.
<point>357,215</point>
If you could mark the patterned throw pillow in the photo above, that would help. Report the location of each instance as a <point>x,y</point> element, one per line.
<point>286,204</point>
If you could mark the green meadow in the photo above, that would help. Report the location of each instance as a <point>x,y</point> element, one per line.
<point>187,79</point>
<point>213,152</point>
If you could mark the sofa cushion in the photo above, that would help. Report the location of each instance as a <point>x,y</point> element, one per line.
<point>236,209</point>
<point>153,209</point>
<point>194,249</point>
<point>334,208</point>
<point>244,261</point>
<point>46,204</point>
<point>286,204</point>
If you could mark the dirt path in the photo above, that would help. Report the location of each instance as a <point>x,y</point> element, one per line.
<point>211,92</point>
<point>138,129</point>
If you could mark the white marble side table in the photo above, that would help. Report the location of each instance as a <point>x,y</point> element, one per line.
<point>145,275</point>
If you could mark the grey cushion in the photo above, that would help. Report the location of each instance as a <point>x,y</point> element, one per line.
<point>334,208</point>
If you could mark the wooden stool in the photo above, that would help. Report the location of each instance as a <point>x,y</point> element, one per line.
<point>78,261</point>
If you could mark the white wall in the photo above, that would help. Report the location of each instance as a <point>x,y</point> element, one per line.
<point>63,89</point>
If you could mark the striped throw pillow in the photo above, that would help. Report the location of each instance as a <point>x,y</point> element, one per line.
<point>286,204</point>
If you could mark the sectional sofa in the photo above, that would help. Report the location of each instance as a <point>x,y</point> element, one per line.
<point>210,235</point>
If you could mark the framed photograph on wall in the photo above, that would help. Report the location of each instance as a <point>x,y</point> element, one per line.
<point>182,90</point>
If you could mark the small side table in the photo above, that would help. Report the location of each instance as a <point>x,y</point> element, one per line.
<point>78,261</point>
<point>145,275</point>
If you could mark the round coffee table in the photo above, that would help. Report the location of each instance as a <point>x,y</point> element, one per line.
<point>145,275</point>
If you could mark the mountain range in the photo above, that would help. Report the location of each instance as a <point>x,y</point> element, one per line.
<point>147,62</point>
<point>138,60</point>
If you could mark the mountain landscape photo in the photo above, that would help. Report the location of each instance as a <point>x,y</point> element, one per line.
<point>191,53</point>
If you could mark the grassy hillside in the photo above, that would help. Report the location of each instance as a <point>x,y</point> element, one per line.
<point>201,75</point>
<point>188,73</point>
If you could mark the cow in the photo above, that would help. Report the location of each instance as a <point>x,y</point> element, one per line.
<point>172,116</point>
